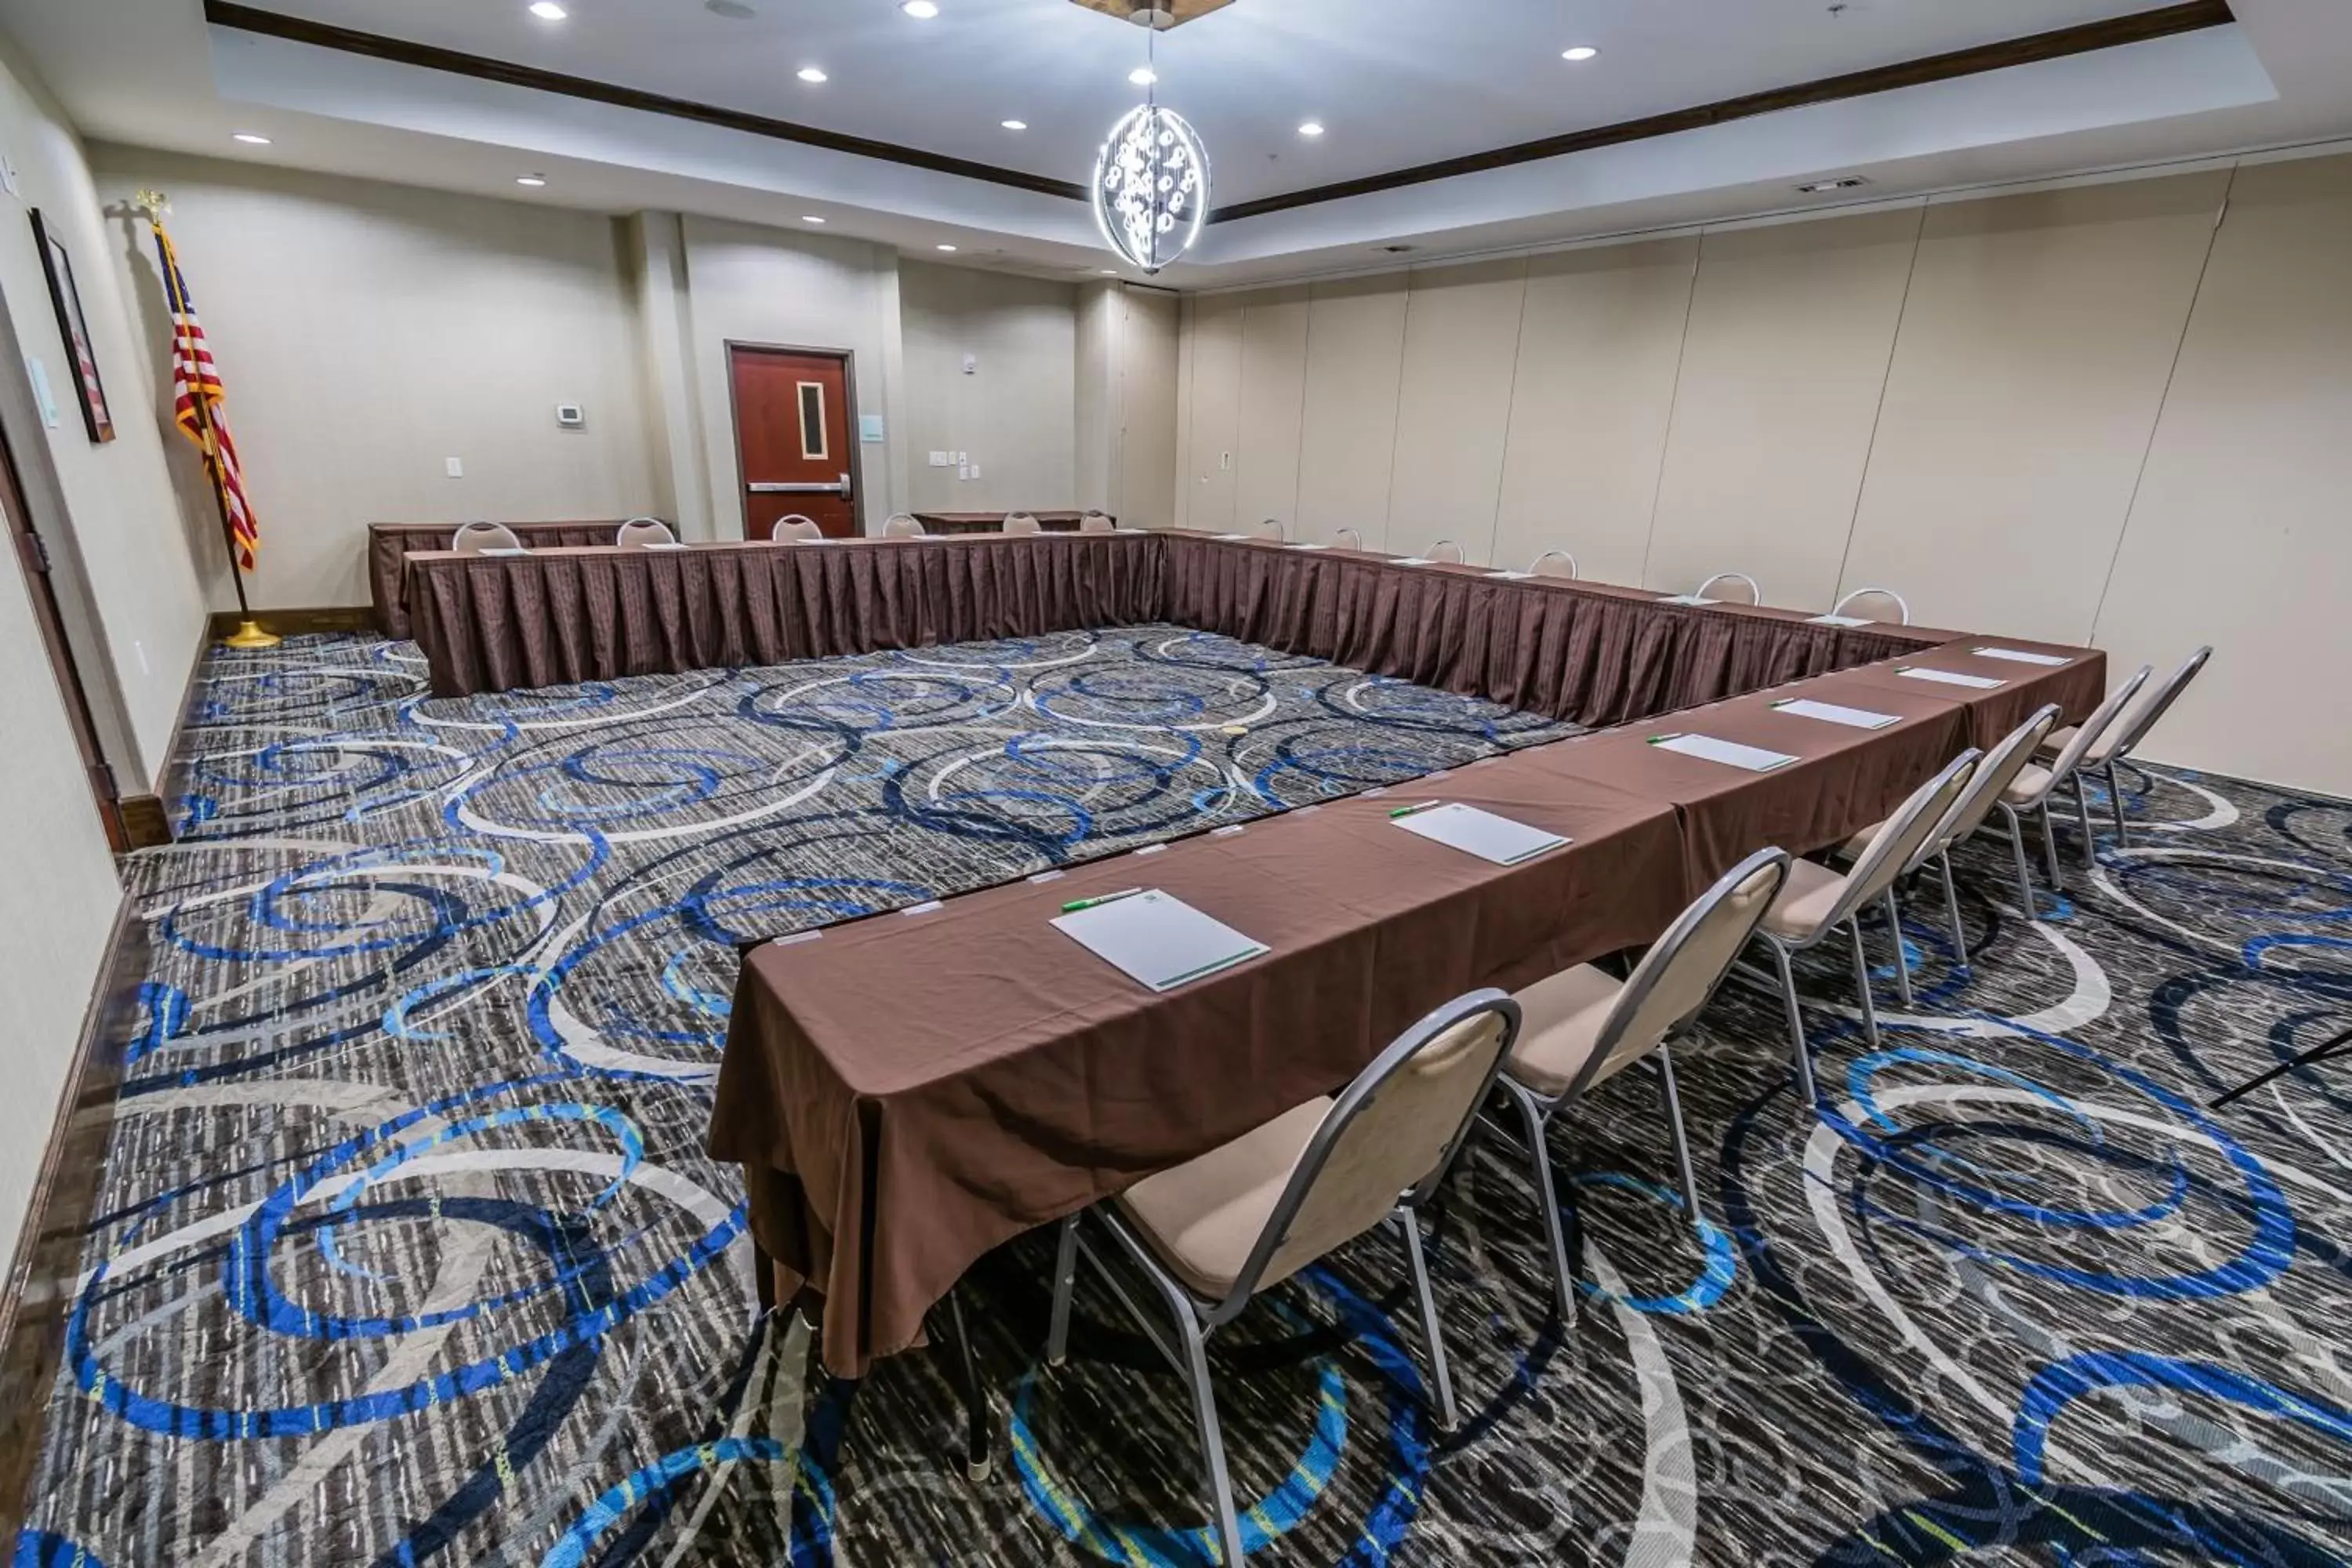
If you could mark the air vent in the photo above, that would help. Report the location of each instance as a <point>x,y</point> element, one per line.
<point>1842,183</point>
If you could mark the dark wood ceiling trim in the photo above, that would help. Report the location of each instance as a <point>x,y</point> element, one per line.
<point>400,51</point>
<point>2138,28</point>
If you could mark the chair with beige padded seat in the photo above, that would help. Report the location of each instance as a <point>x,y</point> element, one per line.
<point>1995,771</point>
<point>2037,783</point>
<point>902,525</point>
<point>1554,563</point>
<point>1213,1233</point>
<point>1816,903</point>
<point>1445,549</point>
<point>1021,522</point>
<point>795,530</point>
<point>1270,529</point>
<point>1875,604</point>
<point>1582,1026</point>
<point>1729,587</point>
<point>639,532</point>
<point>2122,739</point>
<point>1347,539</point>
<point>1097,523</point>
<point>473,538</point>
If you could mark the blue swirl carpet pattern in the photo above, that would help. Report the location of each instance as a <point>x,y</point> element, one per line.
<point>408,1253</point>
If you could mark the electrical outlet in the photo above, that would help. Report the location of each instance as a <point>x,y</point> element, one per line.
<point>456,469</point>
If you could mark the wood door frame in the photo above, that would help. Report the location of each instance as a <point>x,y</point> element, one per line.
<point>848,358</point>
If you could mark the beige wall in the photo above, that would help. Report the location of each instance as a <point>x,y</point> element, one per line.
<point>1126,394</point>
<point>2089,413</point>
<point>1016,414</point>
<point>369,333</point>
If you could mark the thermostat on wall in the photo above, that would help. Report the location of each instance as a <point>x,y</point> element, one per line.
<point>571,416</point>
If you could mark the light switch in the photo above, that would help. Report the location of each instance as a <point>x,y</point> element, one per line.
<point>1225,460</point>
<point>974,471</point>
<point>939,459</point>
<point>963,470</point>
<point>456,469</point>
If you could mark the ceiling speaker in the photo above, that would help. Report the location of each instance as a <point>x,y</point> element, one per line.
<point>1160,13</point>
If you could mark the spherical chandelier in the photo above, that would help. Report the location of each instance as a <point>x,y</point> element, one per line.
<point>1151,186</point>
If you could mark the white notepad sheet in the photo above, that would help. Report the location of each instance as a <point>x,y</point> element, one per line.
<point>670,544</point>
<point>1837,620</point>
<point>1481,833</point>
<point>1412,561</point>
<point>1233,538</point>
<point>1830,713</point>
<point>1311,547</point>
<point>1515,576</point>
<point>1687,599</point>
<point>517,549</point>
<point>1950,677</point>
<point>1158,940</point>
<point>1754,759</point>
<point>2017,655</point>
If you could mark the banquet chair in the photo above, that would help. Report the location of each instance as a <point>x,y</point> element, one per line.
<point>1347,539</point>
<point>902,525</point>
<point>473,538</point>
<point>1581,1027</point>
<point>640,532</point>
<point>1816,903</point>
<point>1445,549</point>
<point>1554,563</point>
<point>1270,529</point>
<point>1728,586</point>
<point>1097,523</point>
<point>2037,783</point>
<point>1874,604</point>
<point>2121,740</point>
<point>794,529</point>
<point>1216,1232</point>
<point>1021,522</point>
<point>1995,771</point>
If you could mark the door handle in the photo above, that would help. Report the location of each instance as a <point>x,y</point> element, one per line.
<point>813,488</point>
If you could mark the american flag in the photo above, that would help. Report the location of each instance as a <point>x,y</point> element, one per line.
<point>197,393</point>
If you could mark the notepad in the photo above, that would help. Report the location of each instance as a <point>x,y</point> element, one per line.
<point>517,550</point>
<point>1412,561</point>
<point>1687,599</point>
<point>1830,713</point>
<point>1754,759</point>
<point>1158,940</point>
<point>2017,655</point>
<point>1481,833</point>
<point>1233,538</point>
<point>1311,547</point>
<point>1515,576</point>
<point>663,544</point>
<point>1837,620</point>
<point>1950,677</point>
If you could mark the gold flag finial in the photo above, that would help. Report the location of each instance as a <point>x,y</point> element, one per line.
<point>150,204</point>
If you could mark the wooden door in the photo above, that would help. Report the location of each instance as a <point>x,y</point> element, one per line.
<point>792,438</point>
<point>33,553</point>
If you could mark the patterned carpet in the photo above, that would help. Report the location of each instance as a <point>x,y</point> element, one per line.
<point>407,1252</point>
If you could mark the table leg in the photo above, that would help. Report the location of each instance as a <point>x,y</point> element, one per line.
<point>763,1278</point>
<point>977,1460</point>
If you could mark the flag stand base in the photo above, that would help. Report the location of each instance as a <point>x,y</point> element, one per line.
<point>249,633</point>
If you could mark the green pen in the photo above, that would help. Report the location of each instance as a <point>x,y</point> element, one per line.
<point>1409,810</point>
<point>1074,905</point>
<point>1662,740</point>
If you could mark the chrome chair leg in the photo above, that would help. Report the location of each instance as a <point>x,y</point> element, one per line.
<point>1065,1279</point>
<point>1547,1198</point>
<point>1448,1416</point>
<point>2050,848</point>
<point>2115,804</point>
<point>2083,814</point>
<point>2027,905</point>
<point>1862,983</point>
<point>1952,908</point>
<point>1681,1136</point>
<point>1212,1442</point>
<point>1800,1053</point>
<point>1894,934</point>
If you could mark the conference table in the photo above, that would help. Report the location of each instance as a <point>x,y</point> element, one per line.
<point>908,1091</point>
<point>958,522</point>
<point>391,544</point>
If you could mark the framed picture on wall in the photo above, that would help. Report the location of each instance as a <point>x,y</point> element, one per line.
<point>66,298</point>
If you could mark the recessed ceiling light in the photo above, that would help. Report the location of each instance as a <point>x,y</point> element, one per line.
<point>1581,52</point>
<point>1312,128</point>
<point>811,217</point>
<point>946,248</point>
<point>1143,76</point>
<point>812,74</point>
<point>1842,183</point>
<point>1014,124</point>
<point>250,140</point>
<point>921,10</point>
<point>547,10</point>
<point>531,179</point>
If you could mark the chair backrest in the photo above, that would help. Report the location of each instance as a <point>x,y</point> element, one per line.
<point>1021,522</point>
<point>1877,603</point>
<point>1670,987</point>
<point>640,532</point>
<point>1555,563</point>
<point>902,525</point>
<point>473,538</point>
<point>1728,586</point>
<point>795,528</point>
<point>2090,731</point>
<point>2128,731</point>
<point>1996,771</point>
<point>1395,1130</point>
<point>1347,539</point>
<point>1097,523</point>
<point>1896,845</point>
<point>1270,529</point>
<point>1445,549</point>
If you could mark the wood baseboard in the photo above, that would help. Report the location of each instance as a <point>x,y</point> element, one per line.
<point>146,818</point>
<point>37,1293</point>
<point>295,622</point>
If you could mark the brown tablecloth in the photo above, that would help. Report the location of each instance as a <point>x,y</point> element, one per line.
<point>2077,684</point>
<point>910,1090</point>
<point>389,543</point>
<point>993,521</point>
<point>555,616</point>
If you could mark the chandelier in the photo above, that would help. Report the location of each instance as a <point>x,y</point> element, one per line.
<point>1151,186</point>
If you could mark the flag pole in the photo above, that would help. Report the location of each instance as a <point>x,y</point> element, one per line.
<point>248,633</point>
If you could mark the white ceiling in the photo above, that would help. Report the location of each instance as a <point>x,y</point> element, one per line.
<point>1397,82</point>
